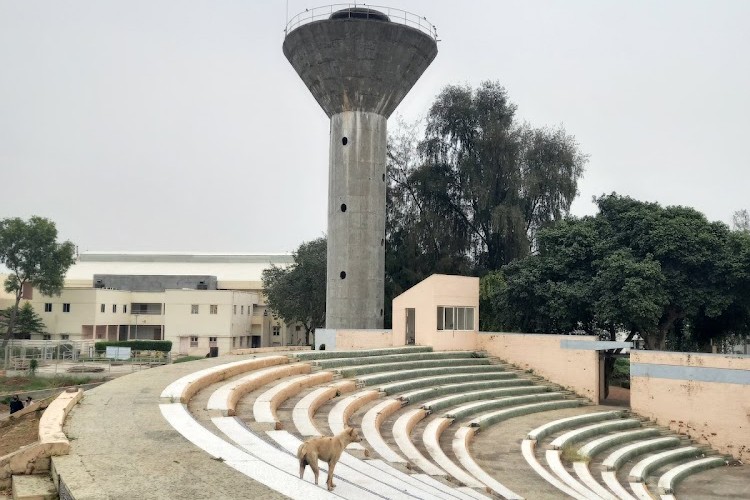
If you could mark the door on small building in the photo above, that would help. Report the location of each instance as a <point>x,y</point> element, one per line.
<point>255,341</point>
<point>411,335</point>
<point>184,345</point>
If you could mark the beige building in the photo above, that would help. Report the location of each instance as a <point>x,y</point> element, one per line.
<point>197,301</point>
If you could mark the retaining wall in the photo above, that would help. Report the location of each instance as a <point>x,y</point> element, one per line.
<point>577,370</point>
<point>704,396</point>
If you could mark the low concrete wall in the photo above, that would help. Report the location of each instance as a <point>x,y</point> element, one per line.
<point>261,350</point>
<point>35,458</point>
<point>704,396</point>
<point>577,370</point>
<point>342,340</point>
<point>452,340</point>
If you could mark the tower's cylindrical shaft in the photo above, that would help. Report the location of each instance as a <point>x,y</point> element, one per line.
<point>356,220</point>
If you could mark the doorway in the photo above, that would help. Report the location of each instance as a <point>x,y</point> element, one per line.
<point>411,335</point>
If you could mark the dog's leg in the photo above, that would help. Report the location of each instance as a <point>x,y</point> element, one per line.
<point>302,464</point>
<point>314,467</point>
<point>331,466</point>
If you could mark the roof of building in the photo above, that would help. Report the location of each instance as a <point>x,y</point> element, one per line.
<point>226,267</point>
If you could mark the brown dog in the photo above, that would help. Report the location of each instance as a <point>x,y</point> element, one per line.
<point>327,449</point>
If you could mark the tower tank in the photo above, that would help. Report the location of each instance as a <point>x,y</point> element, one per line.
<point>358,63</point>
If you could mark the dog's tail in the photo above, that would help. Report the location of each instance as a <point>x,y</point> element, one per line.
<point>302,451</point>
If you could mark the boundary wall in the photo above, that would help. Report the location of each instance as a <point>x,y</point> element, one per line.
<point>353,339</point>
<point>546,355</point>
<point>705,396</point>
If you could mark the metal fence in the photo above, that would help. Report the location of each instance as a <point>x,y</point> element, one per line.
<point>66,357</point>
<point>363,11</point>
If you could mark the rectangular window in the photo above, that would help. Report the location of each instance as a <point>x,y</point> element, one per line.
<point>102,308</point>
<point>48,307</point>
<point>64,336</point>
<point>455,318</point>
<point>276,330</point>
<point>249,309</point>
<point>242,310</point>
<point>213,309</point>
<point>235,309</point>
<point>46,336</point>
<point>114,308</point>
<point>194,309</point>
<point>212,339</point>
<point>125,308</point>
<point>234,341</point>
<point>193,341</point>
<point>66,308</point>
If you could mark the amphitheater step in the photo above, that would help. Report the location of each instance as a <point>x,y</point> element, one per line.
<point>312,355</point>
<point>33,487</point>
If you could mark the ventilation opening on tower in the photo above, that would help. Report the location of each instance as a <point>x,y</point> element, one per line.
<point>359,13</point>
<point>344,141</point>
<point>343,207</point>
<point>342,275</point>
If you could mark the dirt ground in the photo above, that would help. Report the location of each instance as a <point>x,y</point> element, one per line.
<point>24,431</point>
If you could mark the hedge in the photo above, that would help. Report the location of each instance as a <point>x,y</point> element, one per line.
<point>137,345</point>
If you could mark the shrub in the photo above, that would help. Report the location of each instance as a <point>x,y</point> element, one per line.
<point>187,358</point>
<point>137,345</point>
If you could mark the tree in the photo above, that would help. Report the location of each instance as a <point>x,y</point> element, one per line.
<point>34,258</point>
<point>297,294</point>
<point>471,195</point>
<point>741,221</point>
<point>658,271</point>
<point>27,321</point>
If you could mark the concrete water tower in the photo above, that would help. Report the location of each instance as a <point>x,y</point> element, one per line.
<point>358,63</point>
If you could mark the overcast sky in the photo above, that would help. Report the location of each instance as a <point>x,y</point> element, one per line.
<point>179,125</point>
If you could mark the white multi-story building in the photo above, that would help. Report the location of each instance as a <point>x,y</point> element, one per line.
<point>198,301</point>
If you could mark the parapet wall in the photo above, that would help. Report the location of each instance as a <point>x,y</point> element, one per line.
<point>574,369</point>
<point>704,396</point>
<point>343,340</point>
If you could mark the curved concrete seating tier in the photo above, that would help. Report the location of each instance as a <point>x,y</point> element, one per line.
<point>371,423</point>
<point>328,364</point>
<point>527,448</point>
<point>556,466</point>
<point>610,479</point>
<point>304,410</point>
<point>615,459</point>
<point>440,490</point>
<point>642,469</point>
<point>356,370</point>
<point>455,378</point>
<point>403,375</point>
<point>339,415</point>
<point>515,411</point>
<point>264,408</point>
<point>357,471</point>
<point>582,433</point>
<point>596,446</point>
<point>499,388</point>
<point>252,466</point>
<point>501,402</point>
<point>226,397</point>
<point>314,355</point>
<point>461,449</point>
<point>584,474</point>
<point>185,387</point>
<point>401,434</point>
<point>668,481</point>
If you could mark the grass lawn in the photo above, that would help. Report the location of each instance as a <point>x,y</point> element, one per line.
<point>22,384</point>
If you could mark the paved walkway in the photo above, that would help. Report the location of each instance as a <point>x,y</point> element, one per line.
<point>122,447</point>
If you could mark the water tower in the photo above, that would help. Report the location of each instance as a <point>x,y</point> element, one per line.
<point>358,63</point>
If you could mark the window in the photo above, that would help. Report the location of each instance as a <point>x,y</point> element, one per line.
<point>213,309</point>
<point>235,309</point>
<point>101,308</point>
<point>125,308</point>
<point>455,318</point>
<point>114,308</point>
<point>234,341</point>
<point>48,307</point>
<point>64,336</point>
<point>297,328</point>
<point>212,339</point>
<point>194,309</point>
<point>193,341</point>
<point>242,310</point>
<point>276,330</point>
<point>66,308</point>
<point>249,308</point>
<point>46,336</point>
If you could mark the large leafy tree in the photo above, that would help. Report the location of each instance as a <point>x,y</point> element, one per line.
<point>34,257</point>
<point>471,194</point>
<point>27,321</point>
<point>297,293</point>
<point>657,271</point>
